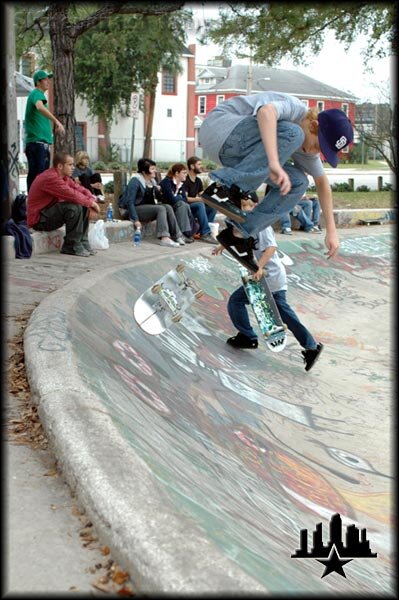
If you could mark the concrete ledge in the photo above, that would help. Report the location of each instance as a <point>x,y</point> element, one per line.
<point>352,216</point>
<point>122,231</point>
<point>51,241</point>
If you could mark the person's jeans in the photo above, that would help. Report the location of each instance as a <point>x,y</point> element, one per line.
<point>238,313</point>
<point>199,212</point>
<point>285,221</point>
<point>245,164</point>
<point>210,213</point>
<point>315,211</point>
<point>38,156</point>
<point>76,220</point>
<point>304,216</point>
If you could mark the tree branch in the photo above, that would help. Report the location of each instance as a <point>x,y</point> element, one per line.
<point>121,8</point>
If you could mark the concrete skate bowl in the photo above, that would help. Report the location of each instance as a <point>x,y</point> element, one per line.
<point>200,463</point>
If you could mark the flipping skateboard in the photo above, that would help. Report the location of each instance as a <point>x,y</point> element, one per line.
<point>165,302</point>
<point>264,307</point>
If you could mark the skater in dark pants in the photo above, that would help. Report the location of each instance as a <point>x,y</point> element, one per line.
<point>276,277</point>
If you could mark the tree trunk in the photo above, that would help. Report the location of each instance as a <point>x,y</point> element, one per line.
<point>148,132</point>
<point>62,45</point>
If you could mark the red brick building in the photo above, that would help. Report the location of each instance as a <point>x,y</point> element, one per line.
<point>216,84</point>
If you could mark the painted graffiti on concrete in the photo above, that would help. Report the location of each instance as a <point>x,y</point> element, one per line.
<point>245,442</point>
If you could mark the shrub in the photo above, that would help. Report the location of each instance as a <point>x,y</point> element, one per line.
<point>209,165</point>
<point>341,187</point>
<point>109,187</point>
<point>99,166</point>
<point>362,188</point>
<point>115,166</point>
<point>387,187</point>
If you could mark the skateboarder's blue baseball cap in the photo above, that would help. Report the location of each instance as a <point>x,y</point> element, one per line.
<point>335,133</point>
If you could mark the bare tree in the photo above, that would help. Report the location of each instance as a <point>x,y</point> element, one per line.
<point>377,128</point>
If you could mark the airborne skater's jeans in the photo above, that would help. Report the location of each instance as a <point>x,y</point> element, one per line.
<point>245,164</point>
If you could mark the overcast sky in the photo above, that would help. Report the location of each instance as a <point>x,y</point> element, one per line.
<point>333,66</point>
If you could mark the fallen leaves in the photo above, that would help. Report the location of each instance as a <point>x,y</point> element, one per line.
<point>113,579</point>
<point>27,428</point>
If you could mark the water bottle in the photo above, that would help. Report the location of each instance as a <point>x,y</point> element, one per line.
<point>137,236</point>
<point>296,210</point>
<point>110,212</point>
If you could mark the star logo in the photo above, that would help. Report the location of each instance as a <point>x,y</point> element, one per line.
<point>341,548</point>
<point>333,563</point>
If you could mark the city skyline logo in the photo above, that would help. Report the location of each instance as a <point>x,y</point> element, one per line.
<point>334,554</point>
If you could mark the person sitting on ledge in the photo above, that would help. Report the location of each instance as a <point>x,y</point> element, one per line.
<point>54,199</point>
<point>84,174</point>
<point>139,202</point>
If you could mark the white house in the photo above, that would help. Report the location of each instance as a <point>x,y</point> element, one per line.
<point>173,125</point>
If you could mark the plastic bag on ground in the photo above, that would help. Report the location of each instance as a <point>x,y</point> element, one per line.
<point>97,237</point>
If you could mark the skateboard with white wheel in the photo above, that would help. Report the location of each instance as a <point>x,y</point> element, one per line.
<point>165,302</point>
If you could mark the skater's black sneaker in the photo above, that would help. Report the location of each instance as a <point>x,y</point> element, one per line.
<point>242,341</point>
<point>225,200</point>
<point>240,248</point>
<point>311,356</point>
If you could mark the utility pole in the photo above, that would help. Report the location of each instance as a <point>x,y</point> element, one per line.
<point>249,73</point>
<point>9,147</point>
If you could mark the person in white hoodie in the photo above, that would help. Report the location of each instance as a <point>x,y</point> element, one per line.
<point>139,203</point>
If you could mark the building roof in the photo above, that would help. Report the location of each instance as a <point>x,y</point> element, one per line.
<point>23,85</point>
<point>264,79</point>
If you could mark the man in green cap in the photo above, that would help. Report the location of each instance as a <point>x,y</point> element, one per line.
<point>38,131</point>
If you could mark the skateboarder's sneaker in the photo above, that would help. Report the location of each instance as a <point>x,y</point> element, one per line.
<point>225,200</point>
<point>242,341</point>
<point>240,248</point>
<point>311,356</point>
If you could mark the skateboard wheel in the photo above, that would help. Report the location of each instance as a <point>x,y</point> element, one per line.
<point>156,288</point>
<point>285,326</point>
<point>198,294</point>
<point>267,334</point>
<point>176,318</point>
<point>180,268</point>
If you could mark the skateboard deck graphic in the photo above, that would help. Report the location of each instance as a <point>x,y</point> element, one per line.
<point>165,302</point>
<point>265,311</point>
<point>263,305</point>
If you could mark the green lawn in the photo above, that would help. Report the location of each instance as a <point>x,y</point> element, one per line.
<point>372,165</point>
<point>363,199</point>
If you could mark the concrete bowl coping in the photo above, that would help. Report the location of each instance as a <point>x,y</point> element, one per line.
<point>162,550</point>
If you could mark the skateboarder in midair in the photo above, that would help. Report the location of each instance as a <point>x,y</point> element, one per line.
<point>276,276</point>
<point>270,137</point>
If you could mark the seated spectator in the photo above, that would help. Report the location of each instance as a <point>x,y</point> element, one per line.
<point>139,203</point>
<point>301,211</point>
<point>54,199</point>
<point>84,174</point>
<point>313,210</point>
<point>173,194</point>
<point>201,211</point>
